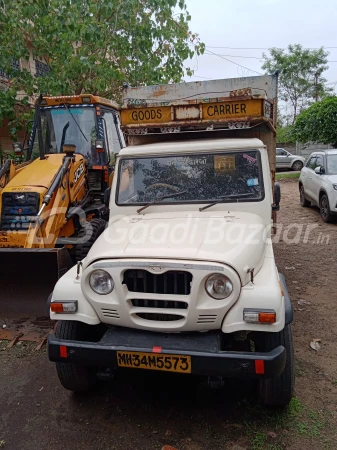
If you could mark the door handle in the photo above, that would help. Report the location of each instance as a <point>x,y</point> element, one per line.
<point>310,178</point>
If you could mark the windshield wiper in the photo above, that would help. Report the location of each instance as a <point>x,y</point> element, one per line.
<point>158,200</point>
<point>75,121</point>
<point>225,197</point>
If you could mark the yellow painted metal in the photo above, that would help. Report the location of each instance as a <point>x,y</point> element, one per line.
<point>37,177</point>
<point>233,110</point>
<point>184,114</point>
<point>160,114</point>
<point>78,99</point>
<point>154,361</point>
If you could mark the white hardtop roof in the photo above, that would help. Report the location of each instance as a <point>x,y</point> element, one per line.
<point>329,151</point>
<point>193,146</point>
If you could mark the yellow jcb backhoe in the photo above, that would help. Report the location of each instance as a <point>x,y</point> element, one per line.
<point>52,206</point>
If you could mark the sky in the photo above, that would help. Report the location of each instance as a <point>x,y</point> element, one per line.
<point>245,27</point>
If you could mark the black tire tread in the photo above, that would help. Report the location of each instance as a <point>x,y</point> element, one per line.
<point>279,391</point>
<point>330,218</point>
<point>72,377</point>
<point>82,250</point>
<point>305,203</point>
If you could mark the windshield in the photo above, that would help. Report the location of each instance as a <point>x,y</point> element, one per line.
<point>71,125</point>
<point>332,164</point>
<point>199,178</point>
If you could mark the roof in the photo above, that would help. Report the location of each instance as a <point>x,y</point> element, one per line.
<point>195,146</point>
<point>79,99</point>
<point>331,151</point>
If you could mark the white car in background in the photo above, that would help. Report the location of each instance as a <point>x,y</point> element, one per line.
<point>286,160</point>
<point>318,183</point>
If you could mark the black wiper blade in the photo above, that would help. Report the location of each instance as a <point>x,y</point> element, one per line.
<point>75,121</point>
<point>158,200</point>
<point>225,197</point>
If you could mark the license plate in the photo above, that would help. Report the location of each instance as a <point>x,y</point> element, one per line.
<point>152,361</point>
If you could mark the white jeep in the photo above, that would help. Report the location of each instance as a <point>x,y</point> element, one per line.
<point>184,277</point>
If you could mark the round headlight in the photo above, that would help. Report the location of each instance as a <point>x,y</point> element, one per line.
<point>218,286</point>
<point>101,282</point>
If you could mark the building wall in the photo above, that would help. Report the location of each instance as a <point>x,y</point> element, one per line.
<point>37,70</point>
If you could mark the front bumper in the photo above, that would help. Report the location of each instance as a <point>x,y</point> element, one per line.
<point>204,349</point>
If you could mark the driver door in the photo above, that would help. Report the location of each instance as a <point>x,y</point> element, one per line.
<point>282,158</point>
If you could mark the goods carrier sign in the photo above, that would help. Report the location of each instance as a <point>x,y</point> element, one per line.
<point>213,111</point>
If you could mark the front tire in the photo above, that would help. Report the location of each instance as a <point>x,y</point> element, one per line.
<point>98,226</point>
<point>324,208</point>
<point>304,202</point>
<point>73,377</point>
<point>297,166</point>
<point>279,391</point>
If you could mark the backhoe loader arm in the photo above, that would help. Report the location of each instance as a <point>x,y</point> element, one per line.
<point>55,183</point>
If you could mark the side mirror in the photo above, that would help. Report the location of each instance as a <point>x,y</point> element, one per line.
<point>107,195</point>
<point>18,148</point>
<point>277,197</point>
<point>319,170</point>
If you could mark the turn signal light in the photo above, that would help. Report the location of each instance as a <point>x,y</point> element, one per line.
<point>63,307</point>
<point>259,316</point>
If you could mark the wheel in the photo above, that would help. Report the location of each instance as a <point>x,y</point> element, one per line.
<point>279,391</point>
<point>298,165</point>
<point>304,202</point>
<point>81,250</point>
<point>325,209</point>
<point>73,377</point>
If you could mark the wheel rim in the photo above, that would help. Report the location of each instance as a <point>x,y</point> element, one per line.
<point>324,207</point>
<point>297,166</point>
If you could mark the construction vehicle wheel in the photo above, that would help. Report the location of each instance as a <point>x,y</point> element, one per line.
<point>98,226</point>
<point>73,377</point>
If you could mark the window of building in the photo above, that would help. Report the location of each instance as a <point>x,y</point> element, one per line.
<point>41,69</point>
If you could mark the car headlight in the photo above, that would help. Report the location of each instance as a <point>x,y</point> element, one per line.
<point>101,282</point>
<point>218,286</point>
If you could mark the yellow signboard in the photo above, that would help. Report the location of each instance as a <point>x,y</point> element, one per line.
<point>231,110</point>
<point>156,114</point>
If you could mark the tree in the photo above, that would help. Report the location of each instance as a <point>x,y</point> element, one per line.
<point>95,45</point>
<point>300,81</point>
<point>318,123</point>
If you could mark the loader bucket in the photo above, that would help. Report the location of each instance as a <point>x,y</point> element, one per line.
<point>27,277</point>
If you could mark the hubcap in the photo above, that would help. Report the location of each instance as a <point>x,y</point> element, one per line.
<point>297,166</point>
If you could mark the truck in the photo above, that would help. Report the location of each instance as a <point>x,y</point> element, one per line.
<point>52,198</point>
<point>184,277</point>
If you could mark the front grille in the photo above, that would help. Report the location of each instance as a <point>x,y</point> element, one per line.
<point>207,318</point>
<point>111,313</point>
<point>19,209</point>
<point>160,317</point>
<point>168,304</point>
<point>171,282</point>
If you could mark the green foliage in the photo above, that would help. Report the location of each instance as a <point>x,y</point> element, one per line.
<point>301,79</point>
<point>93,45</point>
<point>285,134</point>
<point>318,123</point>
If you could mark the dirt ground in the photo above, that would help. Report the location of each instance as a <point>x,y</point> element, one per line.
<point>146,411</point>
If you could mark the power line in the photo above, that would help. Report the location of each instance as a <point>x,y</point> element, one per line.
<point>233,62</point>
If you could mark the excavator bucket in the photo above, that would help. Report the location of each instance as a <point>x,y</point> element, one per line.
<point>27,277</point>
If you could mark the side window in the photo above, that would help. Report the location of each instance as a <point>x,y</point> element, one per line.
<point>312,162</point>
<point>280,152</point>
<point>114,145</point>
<point>319,161</point>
